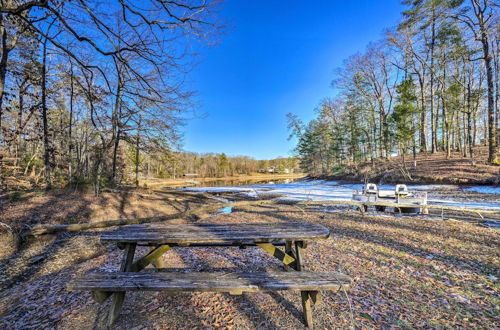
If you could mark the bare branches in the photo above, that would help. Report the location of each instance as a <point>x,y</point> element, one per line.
<point>21,8</point>
<point>153,25</point>
<point>127,67</point>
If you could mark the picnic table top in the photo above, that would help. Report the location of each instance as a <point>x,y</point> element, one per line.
<point>234,233</point>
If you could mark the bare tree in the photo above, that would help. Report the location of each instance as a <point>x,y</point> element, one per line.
<point>480,18</point>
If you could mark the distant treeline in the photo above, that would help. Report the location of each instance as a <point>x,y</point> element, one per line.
<point>432,84</point>
<point>211,165</point>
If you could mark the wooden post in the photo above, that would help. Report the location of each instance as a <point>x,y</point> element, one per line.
<point>119,297</point>
<point>289,251</point>
<point>298,257</point>
<point>305,295</point>
<point>306,305</point>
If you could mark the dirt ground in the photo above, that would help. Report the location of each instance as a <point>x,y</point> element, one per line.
<point>431,168</point>
<point>407,271</point>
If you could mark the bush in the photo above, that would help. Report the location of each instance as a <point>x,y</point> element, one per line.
<point>338,168</point>
<point>17,196</point>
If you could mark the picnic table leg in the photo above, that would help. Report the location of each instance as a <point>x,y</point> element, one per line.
<point>298,255</point>
<point>154,256</point>
<point>305,295</point>
<point>289,251</point>
<point>119,297</point>
<point>306,305</point>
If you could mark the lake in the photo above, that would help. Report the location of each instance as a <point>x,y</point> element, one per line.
<point>481,197</point>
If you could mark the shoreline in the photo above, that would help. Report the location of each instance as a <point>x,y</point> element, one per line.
<point>339,180</point>
<point>461,182</point>
<point>252,177</point>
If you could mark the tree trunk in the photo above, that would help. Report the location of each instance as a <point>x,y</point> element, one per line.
<point>3,67</point>
<point>19,124</point>
<point>137,145</point>
<point>479,12</point>
<point>46,154</point>
<point>115,153</point>
<point>116,125</point>
<point>70,129</point>
<point>433,115</point>
<point>446,116</point>
<point>492,143</point>
<point>423,117</point>
<point>469,139</point>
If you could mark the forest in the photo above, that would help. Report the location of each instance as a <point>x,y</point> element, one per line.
<point>208,165</point>
<point>431,84</point>
<point>93,92</point>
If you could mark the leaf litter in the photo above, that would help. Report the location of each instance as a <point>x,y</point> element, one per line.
<point>408,272</point>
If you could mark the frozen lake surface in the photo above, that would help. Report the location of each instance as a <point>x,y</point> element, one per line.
<point>320,190</point>
<point>484,190</point>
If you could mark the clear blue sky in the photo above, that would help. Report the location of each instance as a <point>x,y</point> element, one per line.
<point>276,57</point>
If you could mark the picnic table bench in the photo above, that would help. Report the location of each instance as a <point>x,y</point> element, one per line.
<point>160,238</point>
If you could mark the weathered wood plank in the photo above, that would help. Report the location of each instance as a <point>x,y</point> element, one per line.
<point>211,282</point>
<point>217,233</point>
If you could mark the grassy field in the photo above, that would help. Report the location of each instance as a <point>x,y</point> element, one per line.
<point>408,271</point>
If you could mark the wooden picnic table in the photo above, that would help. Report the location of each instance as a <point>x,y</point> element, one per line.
<point>160,238</point>
<point>207,233</point>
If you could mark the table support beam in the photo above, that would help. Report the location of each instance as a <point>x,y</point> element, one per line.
<point>154,256</point>
<point>289,251</point>
<point>277,253</point>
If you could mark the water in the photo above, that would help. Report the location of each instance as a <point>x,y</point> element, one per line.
<point>226,210</point>
<point>492,224</point>
<point>320,190</point>
<point>237,183</point>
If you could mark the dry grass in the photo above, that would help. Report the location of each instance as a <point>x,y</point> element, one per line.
<point>409,272</point>
<point>68,206</point>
